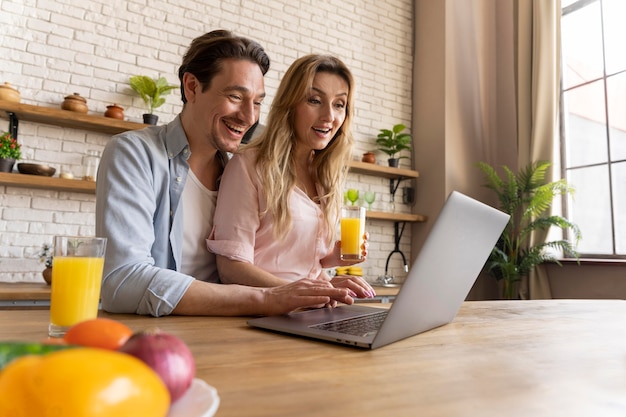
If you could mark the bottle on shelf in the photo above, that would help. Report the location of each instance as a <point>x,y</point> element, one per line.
<point>91,161</point>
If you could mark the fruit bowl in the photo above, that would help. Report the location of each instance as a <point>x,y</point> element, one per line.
<point>36,169</point>
<point>201,400</point>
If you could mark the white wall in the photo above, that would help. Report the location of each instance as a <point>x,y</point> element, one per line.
<point>53,48</point>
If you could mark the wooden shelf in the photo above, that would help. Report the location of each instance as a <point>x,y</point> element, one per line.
<point>64,118</point>
<point>89,187</point>
<point>47,183</point>
<point>397,217</point>
<point>359,167</point>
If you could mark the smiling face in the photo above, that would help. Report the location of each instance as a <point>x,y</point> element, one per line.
<point>220,116</point>
<point>318,118</point>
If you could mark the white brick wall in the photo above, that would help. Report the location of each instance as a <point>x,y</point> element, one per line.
<point>53,48</point>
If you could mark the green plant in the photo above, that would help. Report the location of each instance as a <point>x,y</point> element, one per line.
<point>393,141</point>
<point>9,148</point>
<point>151,90</point>
<point>526,197</point>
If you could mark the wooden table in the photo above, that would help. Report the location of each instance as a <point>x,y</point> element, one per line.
<point>24,294</point>
<point>497,358</point>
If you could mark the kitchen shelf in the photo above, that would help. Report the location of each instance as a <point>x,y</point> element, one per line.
<point>47,183</point>
<point>64,118</point>
<point>397,217</point>
<point>395,175</point>
<point>358,167</point>
<point>89,187</point>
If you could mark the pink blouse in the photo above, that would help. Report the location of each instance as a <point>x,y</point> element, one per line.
<point>240,234</point>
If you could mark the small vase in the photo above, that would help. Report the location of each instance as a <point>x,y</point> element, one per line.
<point>75,103</point>
<point>47,275</point>
<point>6,164</point>
<point>115,112</point>
<point>8,93</point>
<point>369,157</point>
<point>150,119</point>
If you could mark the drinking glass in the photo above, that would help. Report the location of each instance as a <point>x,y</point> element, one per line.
<point>76,279</point>
<point>352,231</point>
<point>353,195</point>
<point>369,198</point>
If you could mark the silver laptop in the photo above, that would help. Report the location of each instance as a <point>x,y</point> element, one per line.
<point>442,275</point>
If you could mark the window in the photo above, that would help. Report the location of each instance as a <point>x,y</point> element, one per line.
<point>593,122</point>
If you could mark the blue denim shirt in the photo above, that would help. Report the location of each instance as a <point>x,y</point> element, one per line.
<point>140,181</point>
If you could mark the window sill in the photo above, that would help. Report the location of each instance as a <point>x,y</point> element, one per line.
<point>594,261</point>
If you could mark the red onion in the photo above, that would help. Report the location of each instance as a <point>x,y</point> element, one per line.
<point>167,355</point>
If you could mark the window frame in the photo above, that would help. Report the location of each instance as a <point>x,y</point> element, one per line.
<point>609,162</point>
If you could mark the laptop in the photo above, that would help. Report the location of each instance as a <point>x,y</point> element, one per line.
<point>442,275</point>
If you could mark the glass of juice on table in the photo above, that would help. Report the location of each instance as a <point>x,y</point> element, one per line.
<point>76,280</point>
<point>352,232</point>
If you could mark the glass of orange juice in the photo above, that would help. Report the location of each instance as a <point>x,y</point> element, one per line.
<point>352,232</point>
<point>76,280</point>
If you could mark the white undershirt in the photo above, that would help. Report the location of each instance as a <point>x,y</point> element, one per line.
<point>198,209</point>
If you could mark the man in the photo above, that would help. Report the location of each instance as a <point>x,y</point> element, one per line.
<point>157,189</point>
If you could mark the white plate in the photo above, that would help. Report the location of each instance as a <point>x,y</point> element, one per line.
<point>201,400</point>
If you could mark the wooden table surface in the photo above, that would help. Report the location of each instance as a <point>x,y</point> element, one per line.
<point>497,358</point>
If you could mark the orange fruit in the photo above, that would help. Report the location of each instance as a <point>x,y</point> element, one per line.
<point>99,333</point>
<point>82,382</point>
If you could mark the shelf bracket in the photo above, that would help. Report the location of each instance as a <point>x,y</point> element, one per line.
<point>13,123</point>
<point>397,236</point>
<point>393,185</point>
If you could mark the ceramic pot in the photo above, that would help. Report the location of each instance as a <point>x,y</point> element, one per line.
<point>47,275</point>
<point>369,157</point>
<point>114,111</point>
<point>393,162</point>
<point>75,103</point>
<point>8,93</point>
<point>150,119</point>
<point>6,164</point>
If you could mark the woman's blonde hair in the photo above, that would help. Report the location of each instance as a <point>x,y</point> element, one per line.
<point>276,145</point>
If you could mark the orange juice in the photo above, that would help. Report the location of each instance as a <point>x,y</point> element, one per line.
<point>352,230</point>
<point>350,236</point>
<point>75,291</point>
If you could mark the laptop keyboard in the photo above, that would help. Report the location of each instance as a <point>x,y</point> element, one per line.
<point>356,326</point>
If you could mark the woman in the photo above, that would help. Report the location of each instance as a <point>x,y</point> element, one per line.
<point>280,196</point>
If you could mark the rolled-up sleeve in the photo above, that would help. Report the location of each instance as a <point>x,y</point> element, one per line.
<point>134,210</point>
<point>236,219</point>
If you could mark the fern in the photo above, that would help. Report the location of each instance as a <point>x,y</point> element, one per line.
<point>527,198</point>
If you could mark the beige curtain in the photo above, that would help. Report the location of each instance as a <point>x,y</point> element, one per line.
<point>537,43</point>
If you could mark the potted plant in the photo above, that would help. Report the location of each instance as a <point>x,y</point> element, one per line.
<point>393,141</point>
<point>526,197</point>
<point>45,256</point>
<point>10,151</point>
<point>151,91</point>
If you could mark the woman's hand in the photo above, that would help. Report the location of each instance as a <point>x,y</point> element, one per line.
<point>334,258</point>
<point>357,286</point>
